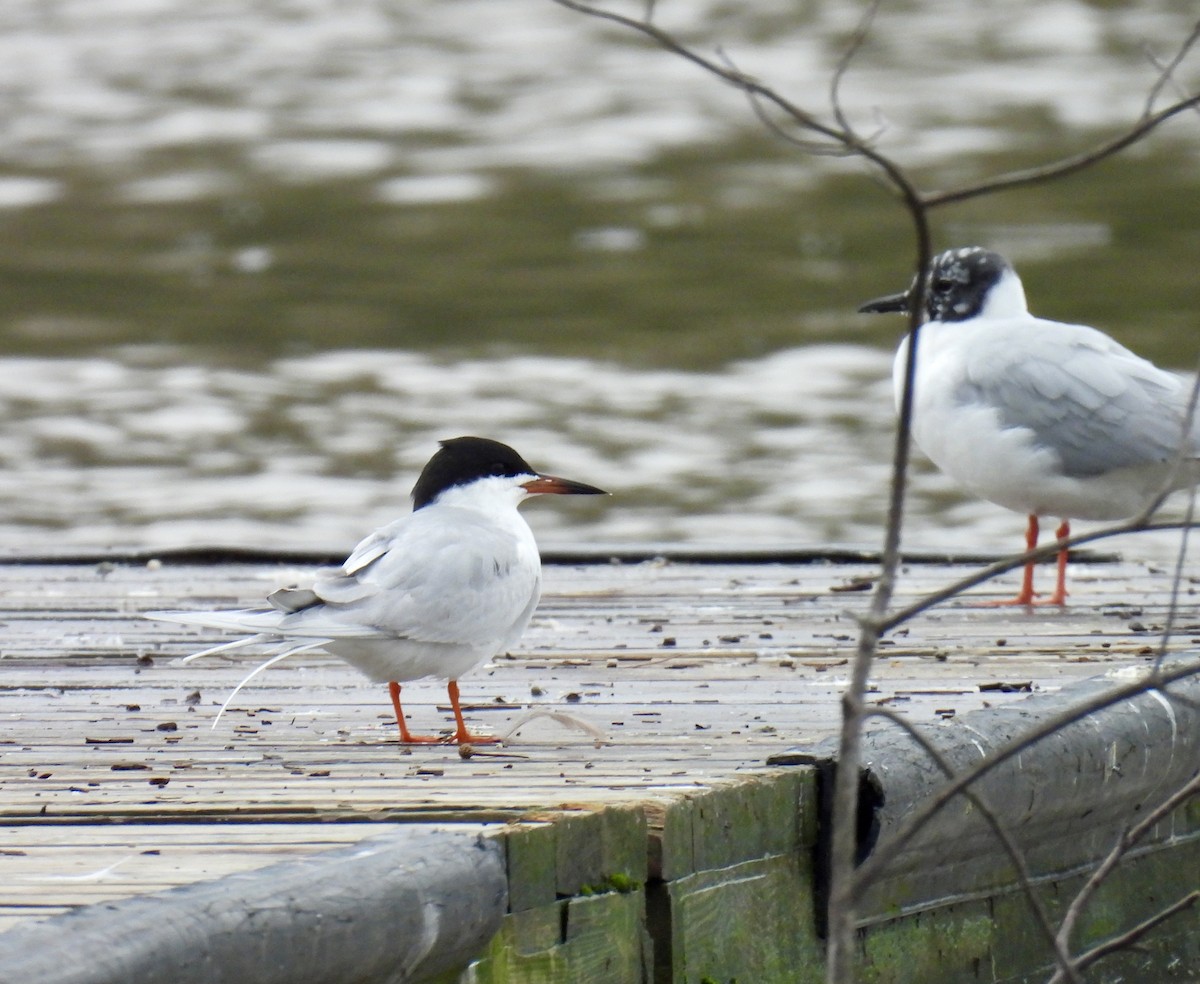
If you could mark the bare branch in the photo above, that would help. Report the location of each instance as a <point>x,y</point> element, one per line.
<point>845,794</point>
<point>843,888</point>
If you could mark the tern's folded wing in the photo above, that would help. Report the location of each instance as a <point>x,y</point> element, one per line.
<point>454,579</point>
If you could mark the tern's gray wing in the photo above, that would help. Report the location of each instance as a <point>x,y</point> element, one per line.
<point>1087,398</point>
<point>437,578</point>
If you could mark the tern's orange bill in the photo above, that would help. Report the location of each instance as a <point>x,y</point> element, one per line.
<point>553,485</point>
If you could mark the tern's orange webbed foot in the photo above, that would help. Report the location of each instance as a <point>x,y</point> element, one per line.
<point>406,736</point>
<point>466,738</point>
<point>411,739</point>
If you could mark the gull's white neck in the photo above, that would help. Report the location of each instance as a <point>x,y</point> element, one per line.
<point>1006,299</point>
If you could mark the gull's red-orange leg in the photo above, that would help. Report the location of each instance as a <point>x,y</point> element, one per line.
<point>1062,534</point>
<point>1026,595</point>
<point>461,734</point>
<point>1060,584</point>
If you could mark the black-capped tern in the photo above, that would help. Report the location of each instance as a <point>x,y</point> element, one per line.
<point>434,594</point>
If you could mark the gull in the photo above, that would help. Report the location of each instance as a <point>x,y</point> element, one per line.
<point>436,593</point>
<point>1045,418</point>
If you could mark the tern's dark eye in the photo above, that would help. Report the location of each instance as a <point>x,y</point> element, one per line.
<point>943,285</point>
<point>498,468</point>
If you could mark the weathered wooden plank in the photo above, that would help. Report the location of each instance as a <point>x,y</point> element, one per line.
<point>593,939</point>
<point>747,922</point>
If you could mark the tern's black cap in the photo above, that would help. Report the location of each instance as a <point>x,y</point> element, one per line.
<point>462,460</point>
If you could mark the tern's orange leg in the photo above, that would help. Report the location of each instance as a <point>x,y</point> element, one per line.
<point>461,735</point>
<point>406,736</point>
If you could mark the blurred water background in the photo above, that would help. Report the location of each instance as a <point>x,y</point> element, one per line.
<point>257,258</point>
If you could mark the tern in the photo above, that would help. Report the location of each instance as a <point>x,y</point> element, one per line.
<point>1041,417</point>
<point>434,594</point>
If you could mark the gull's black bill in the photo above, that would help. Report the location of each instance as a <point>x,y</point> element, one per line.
<point>886,305</point>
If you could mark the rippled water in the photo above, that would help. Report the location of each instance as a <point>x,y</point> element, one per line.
<point>439,90</point>
<point>257,259</point>
<point>313,452</point>
<point>789,450</point>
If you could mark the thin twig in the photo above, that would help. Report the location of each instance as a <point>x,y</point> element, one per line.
<point>815,147</point>
<point>1177,465</point>
<point>1006,564</point>
<point>1176,580</point>
<point>1131,936</point>
<point>985,574</point>
<point>1166,72</point>
<point>861,32</point>
<point>1068,165</point>
<point>1127,840</point>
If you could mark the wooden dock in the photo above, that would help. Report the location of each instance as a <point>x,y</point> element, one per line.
<point>639,685</point>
